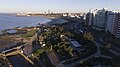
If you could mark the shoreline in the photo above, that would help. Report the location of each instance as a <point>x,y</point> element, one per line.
<point>13,21</point>
<point>48,17</point>
<point>52,19</point>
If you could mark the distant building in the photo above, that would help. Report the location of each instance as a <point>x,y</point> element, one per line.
<point>104,20</point>
<point>89,18</point>
<point>113,23</point>
<point>65,14</point>
<point>111,16</point>
<point>116,30</point>
<point>100,17</point>
<point>57,21</point>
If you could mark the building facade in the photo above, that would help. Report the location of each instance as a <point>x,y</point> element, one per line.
<point>110,24</point>
<point>116,29</point>
<point>100,17</point>
<point>113,23</point>
<point>104,20</point>
<point>89,19</point>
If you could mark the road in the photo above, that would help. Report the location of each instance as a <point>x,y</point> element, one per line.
<point>98,53</point>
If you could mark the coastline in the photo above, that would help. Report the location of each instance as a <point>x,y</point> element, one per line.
<point>13,21</point>
<point>47,19</point>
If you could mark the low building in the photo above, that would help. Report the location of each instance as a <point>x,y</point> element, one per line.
<point>11,31</point>
<point>74,44</point>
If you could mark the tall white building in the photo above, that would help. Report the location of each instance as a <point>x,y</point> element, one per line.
<point>110,24</point>
<point>113,23</point>
<point>116,30</point>
<point>105,20</point>
<point>100,17</point>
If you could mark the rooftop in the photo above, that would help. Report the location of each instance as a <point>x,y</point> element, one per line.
<point>11,31</point>
<point>75,44</point>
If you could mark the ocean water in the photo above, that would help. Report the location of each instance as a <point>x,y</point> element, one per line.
<point>8,21</point>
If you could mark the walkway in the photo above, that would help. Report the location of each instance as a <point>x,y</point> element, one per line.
<point>98,53</point>
<point>12,53</point>
<point>26,58</point>
<point>115,53</point>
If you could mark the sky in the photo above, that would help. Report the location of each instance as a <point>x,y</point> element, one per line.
<point>13,6</point>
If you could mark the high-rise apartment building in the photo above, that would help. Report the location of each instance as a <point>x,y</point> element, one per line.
<point>113,23</point>
<point>100,17</point>
<point>110,24</point>
<point>89,18</point>
<point>105,20</point>
<point>116,29</point>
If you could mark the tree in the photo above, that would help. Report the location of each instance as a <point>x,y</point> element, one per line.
<point>38,52</point>
<point>70,50</point>
<point>88,36</point>
<point>48,47</point>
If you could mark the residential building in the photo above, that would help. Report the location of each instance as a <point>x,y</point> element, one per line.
<point>89,18</point>
<point>116,30</point>
<point>113,23</point>
<point>111,16</point>
<point>100,17</point>
<point>104,20</point>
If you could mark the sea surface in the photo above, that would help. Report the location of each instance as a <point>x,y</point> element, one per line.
<point>8,21</point>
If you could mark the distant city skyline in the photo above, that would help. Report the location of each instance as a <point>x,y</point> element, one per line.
<point>14,6</point>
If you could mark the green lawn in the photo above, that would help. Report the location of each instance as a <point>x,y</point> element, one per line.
<point>38,52</point>
<point>29,34</point>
